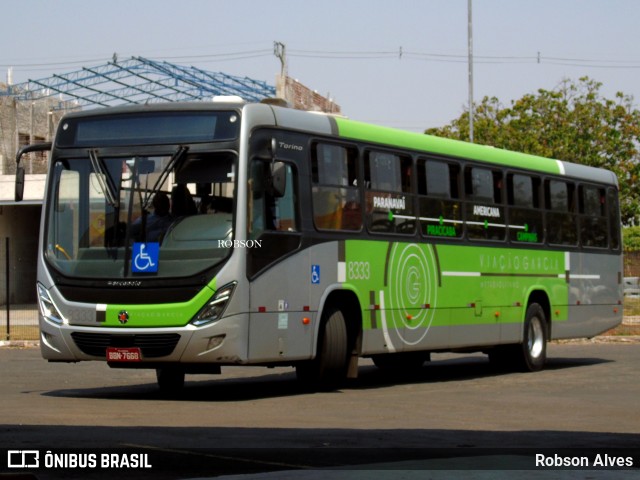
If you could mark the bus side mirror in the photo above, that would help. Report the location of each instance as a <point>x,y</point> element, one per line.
<point>278,173</point>
<point>36,147</point>
<point>19,193</point>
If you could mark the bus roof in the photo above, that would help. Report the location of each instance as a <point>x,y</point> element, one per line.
<point>456,148</point>
<point>156,107</point>
<point>359,131</point>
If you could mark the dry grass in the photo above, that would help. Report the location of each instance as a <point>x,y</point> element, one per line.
<point>20,333</point>
<point>631,306</point>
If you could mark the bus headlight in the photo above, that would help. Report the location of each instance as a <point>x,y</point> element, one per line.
<point>215,307</point>
<point>47,308</point>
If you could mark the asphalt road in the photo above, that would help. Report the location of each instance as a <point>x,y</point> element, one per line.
<point>256,419</point>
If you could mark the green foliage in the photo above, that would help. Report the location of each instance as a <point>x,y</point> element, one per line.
<point>574,122</point>
<point>631,238</point>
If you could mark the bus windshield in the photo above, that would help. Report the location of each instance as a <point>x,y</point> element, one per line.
<point>161,215</point>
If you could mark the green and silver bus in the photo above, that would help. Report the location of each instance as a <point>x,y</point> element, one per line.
<point>186,237</point>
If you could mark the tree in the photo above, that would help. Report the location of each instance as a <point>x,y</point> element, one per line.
<point>631,238</point>
<point>573,122</point>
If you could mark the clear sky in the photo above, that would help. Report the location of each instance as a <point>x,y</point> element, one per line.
<point>401,63</point>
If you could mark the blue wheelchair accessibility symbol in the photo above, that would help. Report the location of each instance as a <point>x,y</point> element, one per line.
<point>315,274</point>
<point>145,257</point>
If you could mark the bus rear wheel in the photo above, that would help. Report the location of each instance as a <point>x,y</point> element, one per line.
<point>534,344</point>
<point>329,368</point>
<point>531,354</point>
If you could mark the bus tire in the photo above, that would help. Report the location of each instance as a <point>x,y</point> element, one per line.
<point>170,380</point>
<point>533,350</point>
<point>531,354</point>
<point>329,368</point>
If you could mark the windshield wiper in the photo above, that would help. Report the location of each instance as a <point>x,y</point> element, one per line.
<point>104,179</point>
<point>174,162</point>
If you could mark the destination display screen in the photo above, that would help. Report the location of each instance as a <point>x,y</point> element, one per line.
<point>149,129</point>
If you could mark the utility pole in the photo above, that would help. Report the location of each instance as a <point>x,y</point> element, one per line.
<point>280,51</point>
<point>470,38</point>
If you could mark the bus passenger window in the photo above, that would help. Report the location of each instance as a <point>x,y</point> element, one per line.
<point>614,218</point>
<point>479,184</point>
<point>388,194</point>
<point>561,218</point>
<point>335,193</point>
<point>484,213</point>
<point>440,212</point>
<point>525,216</point>
<point>593,217</point>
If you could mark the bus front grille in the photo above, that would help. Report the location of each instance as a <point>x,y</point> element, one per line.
<point>152,345</point>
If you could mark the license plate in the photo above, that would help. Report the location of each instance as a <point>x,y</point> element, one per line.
<point>118,354</point>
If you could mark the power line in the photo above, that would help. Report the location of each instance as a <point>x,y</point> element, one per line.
<point>463,58</point>
<point>209,57</point>
<point>399,54</point>
<point>48,64</point>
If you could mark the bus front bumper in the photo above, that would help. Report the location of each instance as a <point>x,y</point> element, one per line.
<point>222,342</point>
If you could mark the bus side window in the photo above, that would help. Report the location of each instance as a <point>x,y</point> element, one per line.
<point>284,208</point>
<point>335,193</point>
<point>62,243</point>
<point>614,218</point>
<point>388,196</point>
<point>525,217</point>
<point>561,217</point>
<point>484,213</point>
<point>265,211</point>
<point>593,217</point>
<point>440,212</point>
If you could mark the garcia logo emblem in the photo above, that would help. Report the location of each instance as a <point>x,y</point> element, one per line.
<point>123,316</point>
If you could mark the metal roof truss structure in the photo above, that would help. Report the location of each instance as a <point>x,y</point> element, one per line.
<point>139,80</point>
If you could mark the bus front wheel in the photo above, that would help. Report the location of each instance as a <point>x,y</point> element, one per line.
<point>329,368</point>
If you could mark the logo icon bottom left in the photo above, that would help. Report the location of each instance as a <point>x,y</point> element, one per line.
<point>23,459</point>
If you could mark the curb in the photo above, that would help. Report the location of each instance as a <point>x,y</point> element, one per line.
<point>601,339</point>
<point>20,343</point>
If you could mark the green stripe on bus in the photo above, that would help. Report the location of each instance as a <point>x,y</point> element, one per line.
<point>383,135</point>
<point>420,285</point>
<point>159,315</point>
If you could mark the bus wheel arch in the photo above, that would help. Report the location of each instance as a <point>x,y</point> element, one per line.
<point>347,302</point>
<point>542,298</point>
<point>531,353</point>
<point>338,342</point>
